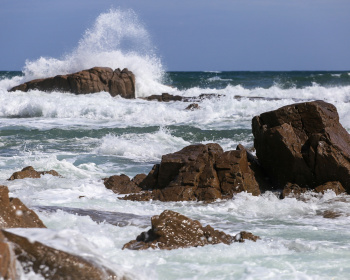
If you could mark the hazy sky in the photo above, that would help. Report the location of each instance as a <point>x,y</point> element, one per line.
<point>191,34</point>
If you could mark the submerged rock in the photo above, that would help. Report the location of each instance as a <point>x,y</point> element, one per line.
<point>96,79</point>
<point>30,172</point>
<point>198,172</point>
<point>52,263</point>
<point>171,230</point>
<point>304,144</point>
<point>14,214</point>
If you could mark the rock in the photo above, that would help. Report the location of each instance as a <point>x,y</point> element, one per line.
<point>96,79</point>
<point>171,230</point>
<point>192,106</point>
<point>333,186</point>
<point>304,144</point>
<point>14,214</point>
<point>245,235</point>
<point>165,97</point>
<point>55,264</point>
<point>7,260</point>
<point>122,184</point>
<point>199,172</point>
<point>292,190</point>
<point>30,172</point>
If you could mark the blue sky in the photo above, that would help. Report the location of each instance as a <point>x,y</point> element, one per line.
<point>191,34</point>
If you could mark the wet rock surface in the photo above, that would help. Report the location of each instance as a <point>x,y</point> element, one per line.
<point>304,144</point>
<point>96,79</point>
<point>171,230</point>
<point>7,260</point>
<point>54,264</point>
<point>30,172</point>
<point>14,214</point>
<point>198,172</point>
<point>122,184</point>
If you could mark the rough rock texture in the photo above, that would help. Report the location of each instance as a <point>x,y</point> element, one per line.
<point>14,214</point>
<point>292,190</point>
<point>7,260</point>
<point>199,172</point>
<point>55,264</point>
<point>30,172</point>
<point>122,184</point>
<point>87,81</point>
<point>303,144</point>
<point>245,235</point>
<point>333,186</point>
<point>171,230</point>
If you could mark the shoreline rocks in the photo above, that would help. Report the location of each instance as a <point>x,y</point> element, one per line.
<point>171,230</point>
<point>93,80</point>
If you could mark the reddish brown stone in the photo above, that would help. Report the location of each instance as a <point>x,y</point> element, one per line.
<point>292,190</point>
<point>14,214</point>
<point>7,260</point>
<point>55,264</point>
<point>171,230</point>
<point>199,172</point>
<point>121,184</point>
<point>30,172</point>
<point>87,81</point>
<point>334,186</point>
<point>304,144</point>
<point>245,235</point>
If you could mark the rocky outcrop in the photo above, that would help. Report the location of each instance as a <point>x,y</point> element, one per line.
<point>171,230</point>
<point>87,81</point>
<point>30,172</point>
<point>198,172</point>
<point>303,144</point>
<point>335,186</point>
<point>51,263</point>
<point>14,214</point>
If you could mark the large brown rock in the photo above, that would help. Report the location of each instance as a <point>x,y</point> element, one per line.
<point>14,214</point>
<point>199,172</point>
<point>54,264</point>
<point>171,230</point>
<point>7,260</point>
<point>30,172</point>
<point>87,81</point>
<point>122,184</point>
<point>303,144</point>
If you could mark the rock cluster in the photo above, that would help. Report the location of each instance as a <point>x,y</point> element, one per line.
<point>197,172</point>
<point>30,172</point>
<point>171,230</point>
<point>96,79</point>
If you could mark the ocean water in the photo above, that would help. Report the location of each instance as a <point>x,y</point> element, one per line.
<point>89,137</point>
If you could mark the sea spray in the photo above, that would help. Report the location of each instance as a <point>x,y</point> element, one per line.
<point>117,39</point>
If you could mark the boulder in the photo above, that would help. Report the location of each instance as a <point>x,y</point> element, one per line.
<point>292,190</point>
<point>30,172</point>
<point>54,264</point>
<point>171,230</point>
<point>96,79</point>
<point>333,186</point>
<point>122,184</point>
<point>199,172</point>
<point>14,214</point>
<point>304,144</point>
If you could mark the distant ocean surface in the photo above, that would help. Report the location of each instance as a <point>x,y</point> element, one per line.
<point>89,137</point>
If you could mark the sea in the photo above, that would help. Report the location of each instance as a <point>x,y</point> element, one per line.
<point>86,138</point>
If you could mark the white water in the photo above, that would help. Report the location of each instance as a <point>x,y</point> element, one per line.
<point>87,138</point>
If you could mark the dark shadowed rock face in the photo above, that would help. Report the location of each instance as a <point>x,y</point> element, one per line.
<point>171,230</point>
<point>14,214</point>
<point>87,81</point>
<point>54,264</point>
<point>303,144</point>
<point>198,172</point>
<point>30,172</point>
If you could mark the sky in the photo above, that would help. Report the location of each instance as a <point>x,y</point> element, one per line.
<point>191,35</point>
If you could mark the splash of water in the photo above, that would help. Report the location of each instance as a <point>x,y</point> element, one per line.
<point>118,39</point>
